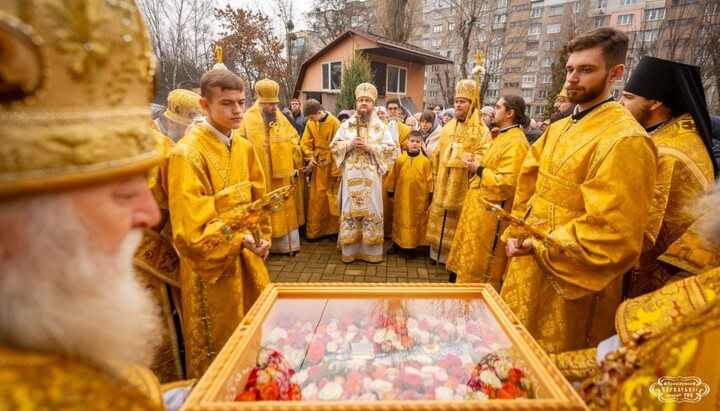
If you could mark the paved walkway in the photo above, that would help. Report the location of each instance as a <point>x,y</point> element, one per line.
<point>321,262</point>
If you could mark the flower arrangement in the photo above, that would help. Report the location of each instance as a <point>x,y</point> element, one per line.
<point>496,377</point>
<point>410,357</point>
<point>270,380</point>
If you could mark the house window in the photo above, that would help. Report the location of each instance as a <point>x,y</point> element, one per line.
<point>627,2</point>
<point>546,79</point>
<point>542,94</point>
<point>602,4</point>
<point>553,28</point>
<point>434,81</point>
<point>539,110</point>
<point>556,11</point>
<point>451,26</point>
<point>625,19</point>
<point>396,79</point>
<point>536,12</point>
<point>547,62</point>
<point>501,3</point>
<point>500,18</point>
<point>331,75</point>
<point>433,69</point>
<point>599,21</point>
<point>528,93</point>
<point>528,78</point>
<point>534,29</point>
<point>710,9</point>
<point>437,28</point>
<point>514,84</point>
<point>654,14</point>
<point>438,15</point>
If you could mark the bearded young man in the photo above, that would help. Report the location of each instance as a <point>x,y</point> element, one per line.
<point>589,182</point>
<point>464,137</point>
<point>668,100</point>
<point>363,150</point>
<point>76,327</point>
<point>278,146</point>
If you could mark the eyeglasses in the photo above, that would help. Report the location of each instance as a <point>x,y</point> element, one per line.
<point>561,100</point>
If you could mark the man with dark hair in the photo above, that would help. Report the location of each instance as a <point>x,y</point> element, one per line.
<point>212,172</point>
<point>476,254</point>
<point>668,100</point>
<point>399,131</point>
<point>315,145</point>
<point>299,120</point>
<point>576,185</point>
<point>190,85</point>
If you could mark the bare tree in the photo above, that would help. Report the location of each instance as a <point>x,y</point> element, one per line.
<point>395,18</point>
<point>330,18</point>
<point>180,34</point>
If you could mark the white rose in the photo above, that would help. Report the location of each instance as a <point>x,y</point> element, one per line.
<point>478,395</point>
<point>379,337</point>
<point>502,367</point>
<point>412,370</point>
<point>488,377</point>
<point>332,346</point>
<point>331,392</point>
<point>443,393</point>
<point>296,358</point>
<point>310,390</point>
<point>300,377</point>
<point>381,386</point>
<point>277,334</point>
<point>462,389</point>
<point>423,359</point>
<point>332,327</point>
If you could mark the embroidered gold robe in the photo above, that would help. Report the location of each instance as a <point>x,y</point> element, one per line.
<point>278,148</point>
<point>157,267</point>
<point>219,279</point>
<point>457,140</point>
<point>316,146</point>
<point>410,180</point>
<point>399,132</point>
<point>361,199</point>
<point>685,173</point>
<point>41,381</point>
<point>477,254</point>
<point>629,379</point>
<point>649,313</point>
<point>577,183</point>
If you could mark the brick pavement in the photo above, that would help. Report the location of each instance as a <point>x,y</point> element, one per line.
<point>321,262</point>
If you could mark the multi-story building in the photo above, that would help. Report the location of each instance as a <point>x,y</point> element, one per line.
<point>521,41</point>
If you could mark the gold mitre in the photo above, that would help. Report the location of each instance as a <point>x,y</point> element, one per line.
<point>366,90</point>
<point>563,93</point>
<point>183,106</point>
<point>267,91</point>
<point>76,80</point>
<point>465,89</point>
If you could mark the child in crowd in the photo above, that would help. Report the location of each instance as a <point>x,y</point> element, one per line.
<point>410,186</point>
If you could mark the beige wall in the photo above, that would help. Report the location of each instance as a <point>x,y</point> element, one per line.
<point>312,82</point>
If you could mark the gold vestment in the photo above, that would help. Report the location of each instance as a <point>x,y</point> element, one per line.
<point>220,280</point>
<point>410,179</point>
<point>477,254</point>
<point>685,173</point>
<point>157,267</point>
<point>39,381</point>
<point>576,183</point>
<point>315,145</point>
<point>457,140</point>
<point>278,148</point>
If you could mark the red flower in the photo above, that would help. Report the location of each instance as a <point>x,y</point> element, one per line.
<point>511,391</point>
<point>293,393</point>
<point>252,379</point>
<point>514,375</point>
<point>269,391</point>
<point>316,351</point>
<point>248,395</point>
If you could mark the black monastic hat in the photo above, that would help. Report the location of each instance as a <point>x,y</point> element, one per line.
<point>679,86</point>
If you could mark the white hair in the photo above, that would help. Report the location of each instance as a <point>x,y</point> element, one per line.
<point>57,295</point>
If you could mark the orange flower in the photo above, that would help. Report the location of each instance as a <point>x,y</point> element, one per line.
<point>248,395</point>
<point>269,391</point>
<point>316,351</point>
<point>293,393</point>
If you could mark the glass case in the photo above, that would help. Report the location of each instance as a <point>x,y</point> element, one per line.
<point>368,346</point>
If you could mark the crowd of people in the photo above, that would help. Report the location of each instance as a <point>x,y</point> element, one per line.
<point>124,242</point>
